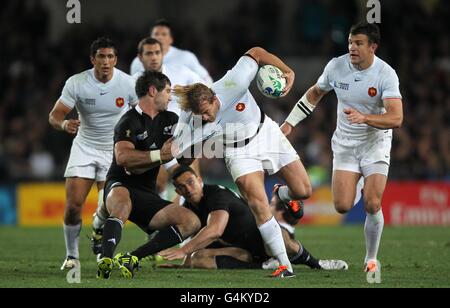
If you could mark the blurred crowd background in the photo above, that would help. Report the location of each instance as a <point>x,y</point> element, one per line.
<point>35,64</point>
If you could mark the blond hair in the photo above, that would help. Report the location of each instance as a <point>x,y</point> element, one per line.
<point>191,96</point>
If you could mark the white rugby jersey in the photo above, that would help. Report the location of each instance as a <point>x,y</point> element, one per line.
<point>99,105</point>
<point>238,117</point>
<point>178,75</point>
<point>176,56</point>
<point>362,90</point>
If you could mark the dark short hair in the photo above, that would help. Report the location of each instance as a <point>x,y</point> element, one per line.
<point>161,23</point>
<point>371,30</point>
<point>148,79</point>
<point>182,169</point>
<point>147,41</point>
<point>102,42</point>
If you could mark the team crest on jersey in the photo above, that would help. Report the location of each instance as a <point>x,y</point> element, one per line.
<point>240,107</point>
<point>167,130</point>
<point>373,92</point>
<point>120,102</point>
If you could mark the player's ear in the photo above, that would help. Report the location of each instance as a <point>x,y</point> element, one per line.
<point>92,60</point>
<point>374,47</point>
<point>152,91</point>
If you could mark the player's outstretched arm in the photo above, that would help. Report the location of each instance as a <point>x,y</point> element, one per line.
<point>57,116</point>
<point>303,108</point>
<point>263,57</point>
<point>393,117</point>
<point>217,222</point>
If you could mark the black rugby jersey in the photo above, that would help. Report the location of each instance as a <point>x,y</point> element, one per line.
<point>241,230</point>
<point>146,134</point>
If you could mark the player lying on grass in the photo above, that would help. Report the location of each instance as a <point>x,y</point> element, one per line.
<point>229,237</point>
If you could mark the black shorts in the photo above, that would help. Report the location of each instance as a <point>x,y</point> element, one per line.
<point>144,203</point>
<point>251,241</point>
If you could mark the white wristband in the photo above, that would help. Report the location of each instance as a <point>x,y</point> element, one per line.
<point>155,156</point>
<point>64,124</point>
<point>302,109</point>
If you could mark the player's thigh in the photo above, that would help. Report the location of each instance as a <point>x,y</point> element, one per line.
<point>118,202</point>
<point>252,189</point>
<point>173,214</point>
<point>297,179</point>
<point>344,189</point>
<point>374,186</point>
<point>77,190</point>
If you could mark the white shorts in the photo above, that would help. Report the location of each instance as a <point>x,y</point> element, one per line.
<point>269,150</point>
<point>88,162</point>
<point>357,155</point>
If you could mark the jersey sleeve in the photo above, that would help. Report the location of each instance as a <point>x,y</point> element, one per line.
<point>237,80</point>
<point>132,96</point>
<point>193,64</point>
<point>136,66</point>
<point>170,127</point>
<point>390,86</point>
<point>193,77</point>
<point>125,130</point>
<point>324,81</point>
<point>218,200</point>
<point>68,96</point>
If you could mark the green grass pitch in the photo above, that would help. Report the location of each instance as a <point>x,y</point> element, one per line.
<point>410,257</point>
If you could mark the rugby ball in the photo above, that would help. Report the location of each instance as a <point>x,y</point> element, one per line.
<point>269,81</point>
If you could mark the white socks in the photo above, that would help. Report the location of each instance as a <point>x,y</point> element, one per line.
<point>72,235</point>
<point>283,193</point>
<point>101,214</point>
<point>373,229</point>
<point>271,234</point>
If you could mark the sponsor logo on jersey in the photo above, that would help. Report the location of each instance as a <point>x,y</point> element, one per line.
<point>240,107</point>
<point>341,85</point>
<point>142,136</point>
<point>87,101</point>
<point>120,102</point>
<point>373,92</point>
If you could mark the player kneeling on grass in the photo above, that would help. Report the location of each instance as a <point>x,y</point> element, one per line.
<point>229,237</point>
<point>142,142</point>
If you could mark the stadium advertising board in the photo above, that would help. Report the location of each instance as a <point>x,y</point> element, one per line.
<point>43,205</point>
<point>7,205</point>
<point>417,203</point>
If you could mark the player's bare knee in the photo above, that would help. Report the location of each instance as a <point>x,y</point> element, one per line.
<point>302,191</point>
<point>73,211</point>
<point>372,204</point>
<point>342,207</point>
<point>120,212</point>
